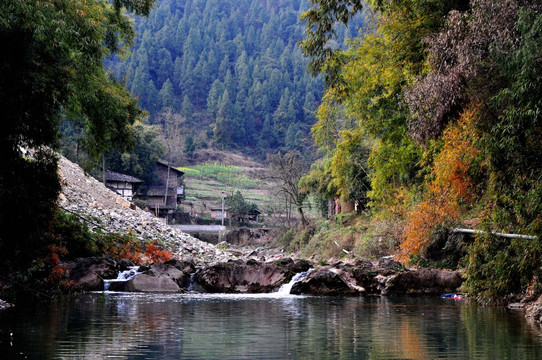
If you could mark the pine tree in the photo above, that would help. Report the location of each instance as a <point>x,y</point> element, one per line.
<point>187,109</point>
<point>166,95</point>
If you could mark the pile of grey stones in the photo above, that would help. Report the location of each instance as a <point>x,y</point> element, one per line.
<point>106,211</point>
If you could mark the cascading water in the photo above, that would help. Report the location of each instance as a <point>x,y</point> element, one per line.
<point>123,276</point>
<point>192,284</point>
<point>286,288</point>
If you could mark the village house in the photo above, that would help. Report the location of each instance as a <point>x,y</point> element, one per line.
<point>254,215</point>
<point>122,184</point>
<point>217,214</point>
<point>156,194</point>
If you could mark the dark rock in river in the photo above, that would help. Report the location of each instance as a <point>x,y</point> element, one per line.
<point>423,282</point>
<point>150,283</point>
<point>125,264</point>
<point>248,277</point>
<point>324,282</point>
<point>178,271</point>
<point>169,276</point>
<point>88,273</point>
<point>534,311</point>
<point>386,278</point>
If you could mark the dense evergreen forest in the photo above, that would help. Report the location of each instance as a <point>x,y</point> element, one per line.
<point>231,69</point>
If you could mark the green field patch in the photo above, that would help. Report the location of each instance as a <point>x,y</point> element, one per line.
<point>228,175</point>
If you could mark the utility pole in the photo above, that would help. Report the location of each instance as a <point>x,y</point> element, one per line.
<point>103,168</point>
<point>222,208</point>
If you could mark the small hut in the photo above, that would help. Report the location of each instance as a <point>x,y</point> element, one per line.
<point>122,184</point>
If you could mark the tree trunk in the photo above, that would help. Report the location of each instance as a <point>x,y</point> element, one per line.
<point>302,215</point>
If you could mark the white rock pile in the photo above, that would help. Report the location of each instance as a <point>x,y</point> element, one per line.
<point>104,209</point>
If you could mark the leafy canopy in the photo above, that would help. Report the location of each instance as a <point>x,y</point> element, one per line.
<point>51,67</point>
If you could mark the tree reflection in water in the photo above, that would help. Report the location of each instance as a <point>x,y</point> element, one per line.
<point>264,327</point>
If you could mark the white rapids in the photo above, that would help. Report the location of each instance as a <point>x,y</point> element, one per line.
<point>123,276</point>
<point>286,288</point>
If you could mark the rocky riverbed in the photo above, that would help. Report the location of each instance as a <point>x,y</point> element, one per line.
<point>360,278</point>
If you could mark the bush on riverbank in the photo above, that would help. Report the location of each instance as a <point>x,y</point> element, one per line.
<point>503,270</point>
<point>341,236</point>
<point>69,238</point>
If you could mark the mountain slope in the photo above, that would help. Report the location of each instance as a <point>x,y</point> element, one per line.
<point>231,68</point>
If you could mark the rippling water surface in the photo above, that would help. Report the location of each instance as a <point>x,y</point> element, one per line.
<point>153,326</point>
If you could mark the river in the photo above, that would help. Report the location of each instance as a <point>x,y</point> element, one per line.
<point>197,326</point>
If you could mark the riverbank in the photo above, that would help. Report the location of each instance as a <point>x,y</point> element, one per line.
<point>241,268</point>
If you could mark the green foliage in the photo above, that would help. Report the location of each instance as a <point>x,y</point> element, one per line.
<point>228,175</point>
<point>52,69</point>
<point>189,145</point>
<point>238,205</point>
<point>72,233</point>
<point>514,137</point>
<point>296,238</point>
<point>189,54</point>
<point>349,167</point>
<point>410,85</point>
<point>498,267</point>
<point>319,180</point>
<point>321,20</point>
<point>286,238</point>
<point>149,146</point>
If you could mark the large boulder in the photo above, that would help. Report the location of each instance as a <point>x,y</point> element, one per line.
<point>385,278</point>
<point>169,276</point>
<point>533,311</point>
<point>151,283</point>
<point>251,276</point>
<point>87,274</point>
<point>178,271</point>
<point>423,282</point>
<point>326,281</point>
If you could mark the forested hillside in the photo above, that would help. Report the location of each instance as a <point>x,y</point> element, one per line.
<point>230,68</point>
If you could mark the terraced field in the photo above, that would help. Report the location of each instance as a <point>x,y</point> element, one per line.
<point>205,183</point>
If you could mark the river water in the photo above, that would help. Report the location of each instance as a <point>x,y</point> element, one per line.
<point>273,326</point>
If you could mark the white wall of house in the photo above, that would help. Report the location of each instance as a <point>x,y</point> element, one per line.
<point>124,189</point>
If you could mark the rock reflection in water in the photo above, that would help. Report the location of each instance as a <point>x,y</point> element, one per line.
<point>192,326</point>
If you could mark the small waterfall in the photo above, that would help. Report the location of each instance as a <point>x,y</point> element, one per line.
<point>191,284</point>
<point>286,288</point>
<point>123,276</point>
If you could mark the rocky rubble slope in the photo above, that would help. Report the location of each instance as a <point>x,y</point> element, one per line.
<point>103,208</point>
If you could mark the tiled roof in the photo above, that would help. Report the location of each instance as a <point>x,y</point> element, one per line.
<point>162,162</point>
<point>115,176</point>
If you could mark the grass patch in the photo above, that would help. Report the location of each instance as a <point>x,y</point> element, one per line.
<point>360,236</point>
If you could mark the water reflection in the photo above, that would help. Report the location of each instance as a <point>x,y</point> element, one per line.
<point>144,326</point>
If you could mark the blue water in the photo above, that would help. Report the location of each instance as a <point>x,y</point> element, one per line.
<point>192,326</point>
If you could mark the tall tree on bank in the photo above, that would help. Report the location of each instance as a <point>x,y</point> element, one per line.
<point>51,68</point>
<point>287,169</point>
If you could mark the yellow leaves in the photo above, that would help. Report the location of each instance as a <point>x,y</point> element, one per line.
<point>325,130</point>
<point>348,163</point>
